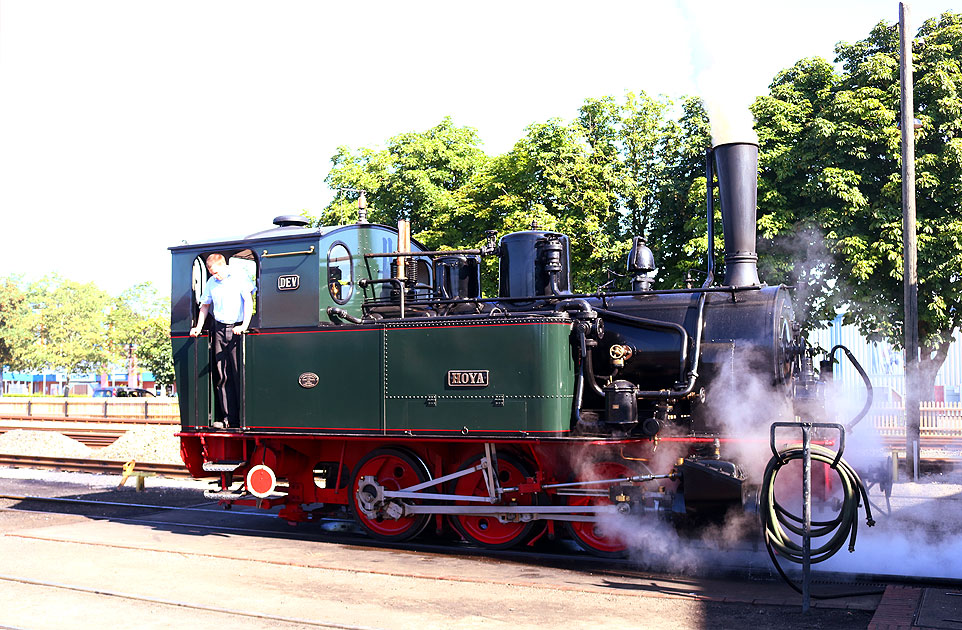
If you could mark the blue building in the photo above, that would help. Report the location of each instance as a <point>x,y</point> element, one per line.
<point>885,364</point>
<point>51,383</point>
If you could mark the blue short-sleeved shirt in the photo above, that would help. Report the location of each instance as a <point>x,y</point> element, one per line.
<point>228,296</point>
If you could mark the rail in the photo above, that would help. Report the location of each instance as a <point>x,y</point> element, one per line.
<point>71,464</point>
<point>129,410</point>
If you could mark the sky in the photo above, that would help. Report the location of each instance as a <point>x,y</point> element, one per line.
<point>130,126</point>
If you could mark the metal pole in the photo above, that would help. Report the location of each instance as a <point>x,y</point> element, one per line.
<point>806,517</point>
<point>910,258</point>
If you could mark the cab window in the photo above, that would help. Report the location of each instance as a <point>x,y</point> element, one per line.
<point>198,278</point>
<point>243,263</point>
<point>340,273</point>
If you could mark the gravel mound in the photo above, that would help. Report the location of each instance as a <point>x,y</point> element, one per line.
<point>151,444</point>
<point>42,444</point>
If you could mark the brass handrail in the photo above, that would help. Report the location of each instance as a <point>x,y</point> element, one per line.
<point>308,251</point>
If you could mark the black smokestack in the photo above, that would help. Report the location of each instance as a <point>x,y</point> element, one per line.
<point>736,165</point>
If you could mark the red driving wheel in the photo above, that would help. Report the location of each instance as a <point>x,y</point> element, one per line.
<point>487,530</point>
<point>393,469</point>
<point>600,538</point>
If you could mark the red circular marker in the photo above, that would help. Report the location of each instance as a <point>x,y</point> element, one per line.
<point>261,481</point>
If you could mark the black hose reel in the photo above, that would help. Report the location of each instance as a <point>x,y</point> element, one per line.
<point>777,521</point>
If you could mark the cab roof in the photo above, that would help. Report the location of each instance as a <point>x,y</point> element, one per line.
<point>273,234</point>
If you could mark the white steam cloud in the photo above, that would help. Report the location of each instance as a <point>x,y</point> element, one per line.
<point>915,534</point>
<point>725,44</point>
<point>731,120</point>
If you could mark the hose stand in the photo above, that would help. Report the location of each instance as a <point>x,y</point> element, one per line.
<point>806,517</point>
<point>776,519</point>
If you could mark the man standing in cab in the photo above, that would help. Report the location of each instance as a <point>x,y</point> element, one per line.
<point>231,295</point>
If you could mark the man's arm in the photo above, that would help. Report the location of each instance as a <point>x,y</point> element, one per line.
<point>248,313</point>
<point>201,318</point>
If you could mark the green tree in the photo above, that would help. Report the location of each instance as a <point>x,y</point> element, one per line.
<point>154,349</point>
<point>678,230</point>
<point>831,172</point>
<point>549,178</point>
<point>70,326</point>
<point>140,317</point>
<point>15,325</point>
<point>596,179</point>
<point>420,176</point>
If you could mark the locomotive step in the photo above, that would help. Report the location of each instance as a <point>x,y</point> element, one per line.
<point>223,495</point>
<point>225,466</point>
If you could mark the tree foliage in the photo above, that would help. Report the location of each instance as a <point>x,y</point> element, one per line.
<point>154,351</point>
<point>597,178</point>
<point>830,191</point>
<point>140,317</point>
<point>678,230</point>
<point>15,324</point>
<point>418,176</point>
<point>69,326</point>
<point>58,324</point>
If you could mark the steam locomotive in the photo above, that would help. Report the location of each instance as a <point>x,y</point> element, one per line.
<point>377,379</point>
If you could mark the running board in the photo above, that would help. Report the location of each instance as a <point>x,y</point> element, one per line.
<point>223,495</point>
<point>225,466</point>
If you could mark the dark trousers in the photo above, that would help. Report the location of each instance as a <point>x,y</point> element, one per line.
<point>226,374</point>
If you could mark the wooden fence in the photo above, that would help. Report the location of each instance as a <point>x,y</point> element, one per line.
<point>940,429</point>
<point>150,410</point>
<point>938,419</point>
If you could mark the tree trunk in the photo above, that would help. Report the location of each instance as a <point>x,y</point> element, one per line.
<point>931,362</point>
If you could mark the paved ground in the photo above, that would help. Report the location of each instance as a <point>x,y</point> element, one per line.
<point>70,571</point>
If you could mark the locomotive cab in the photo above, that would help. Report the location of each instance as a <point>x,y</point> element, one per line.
<point>299,273</point>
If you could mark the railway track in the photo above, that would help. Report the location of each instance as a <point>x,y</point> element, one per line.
<point>557,554</point>
<point>100,466</point>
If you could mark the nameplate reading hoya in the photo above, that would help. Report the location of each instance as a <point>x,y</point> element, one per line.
<point>288,282</point>
<point>467,378</point>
